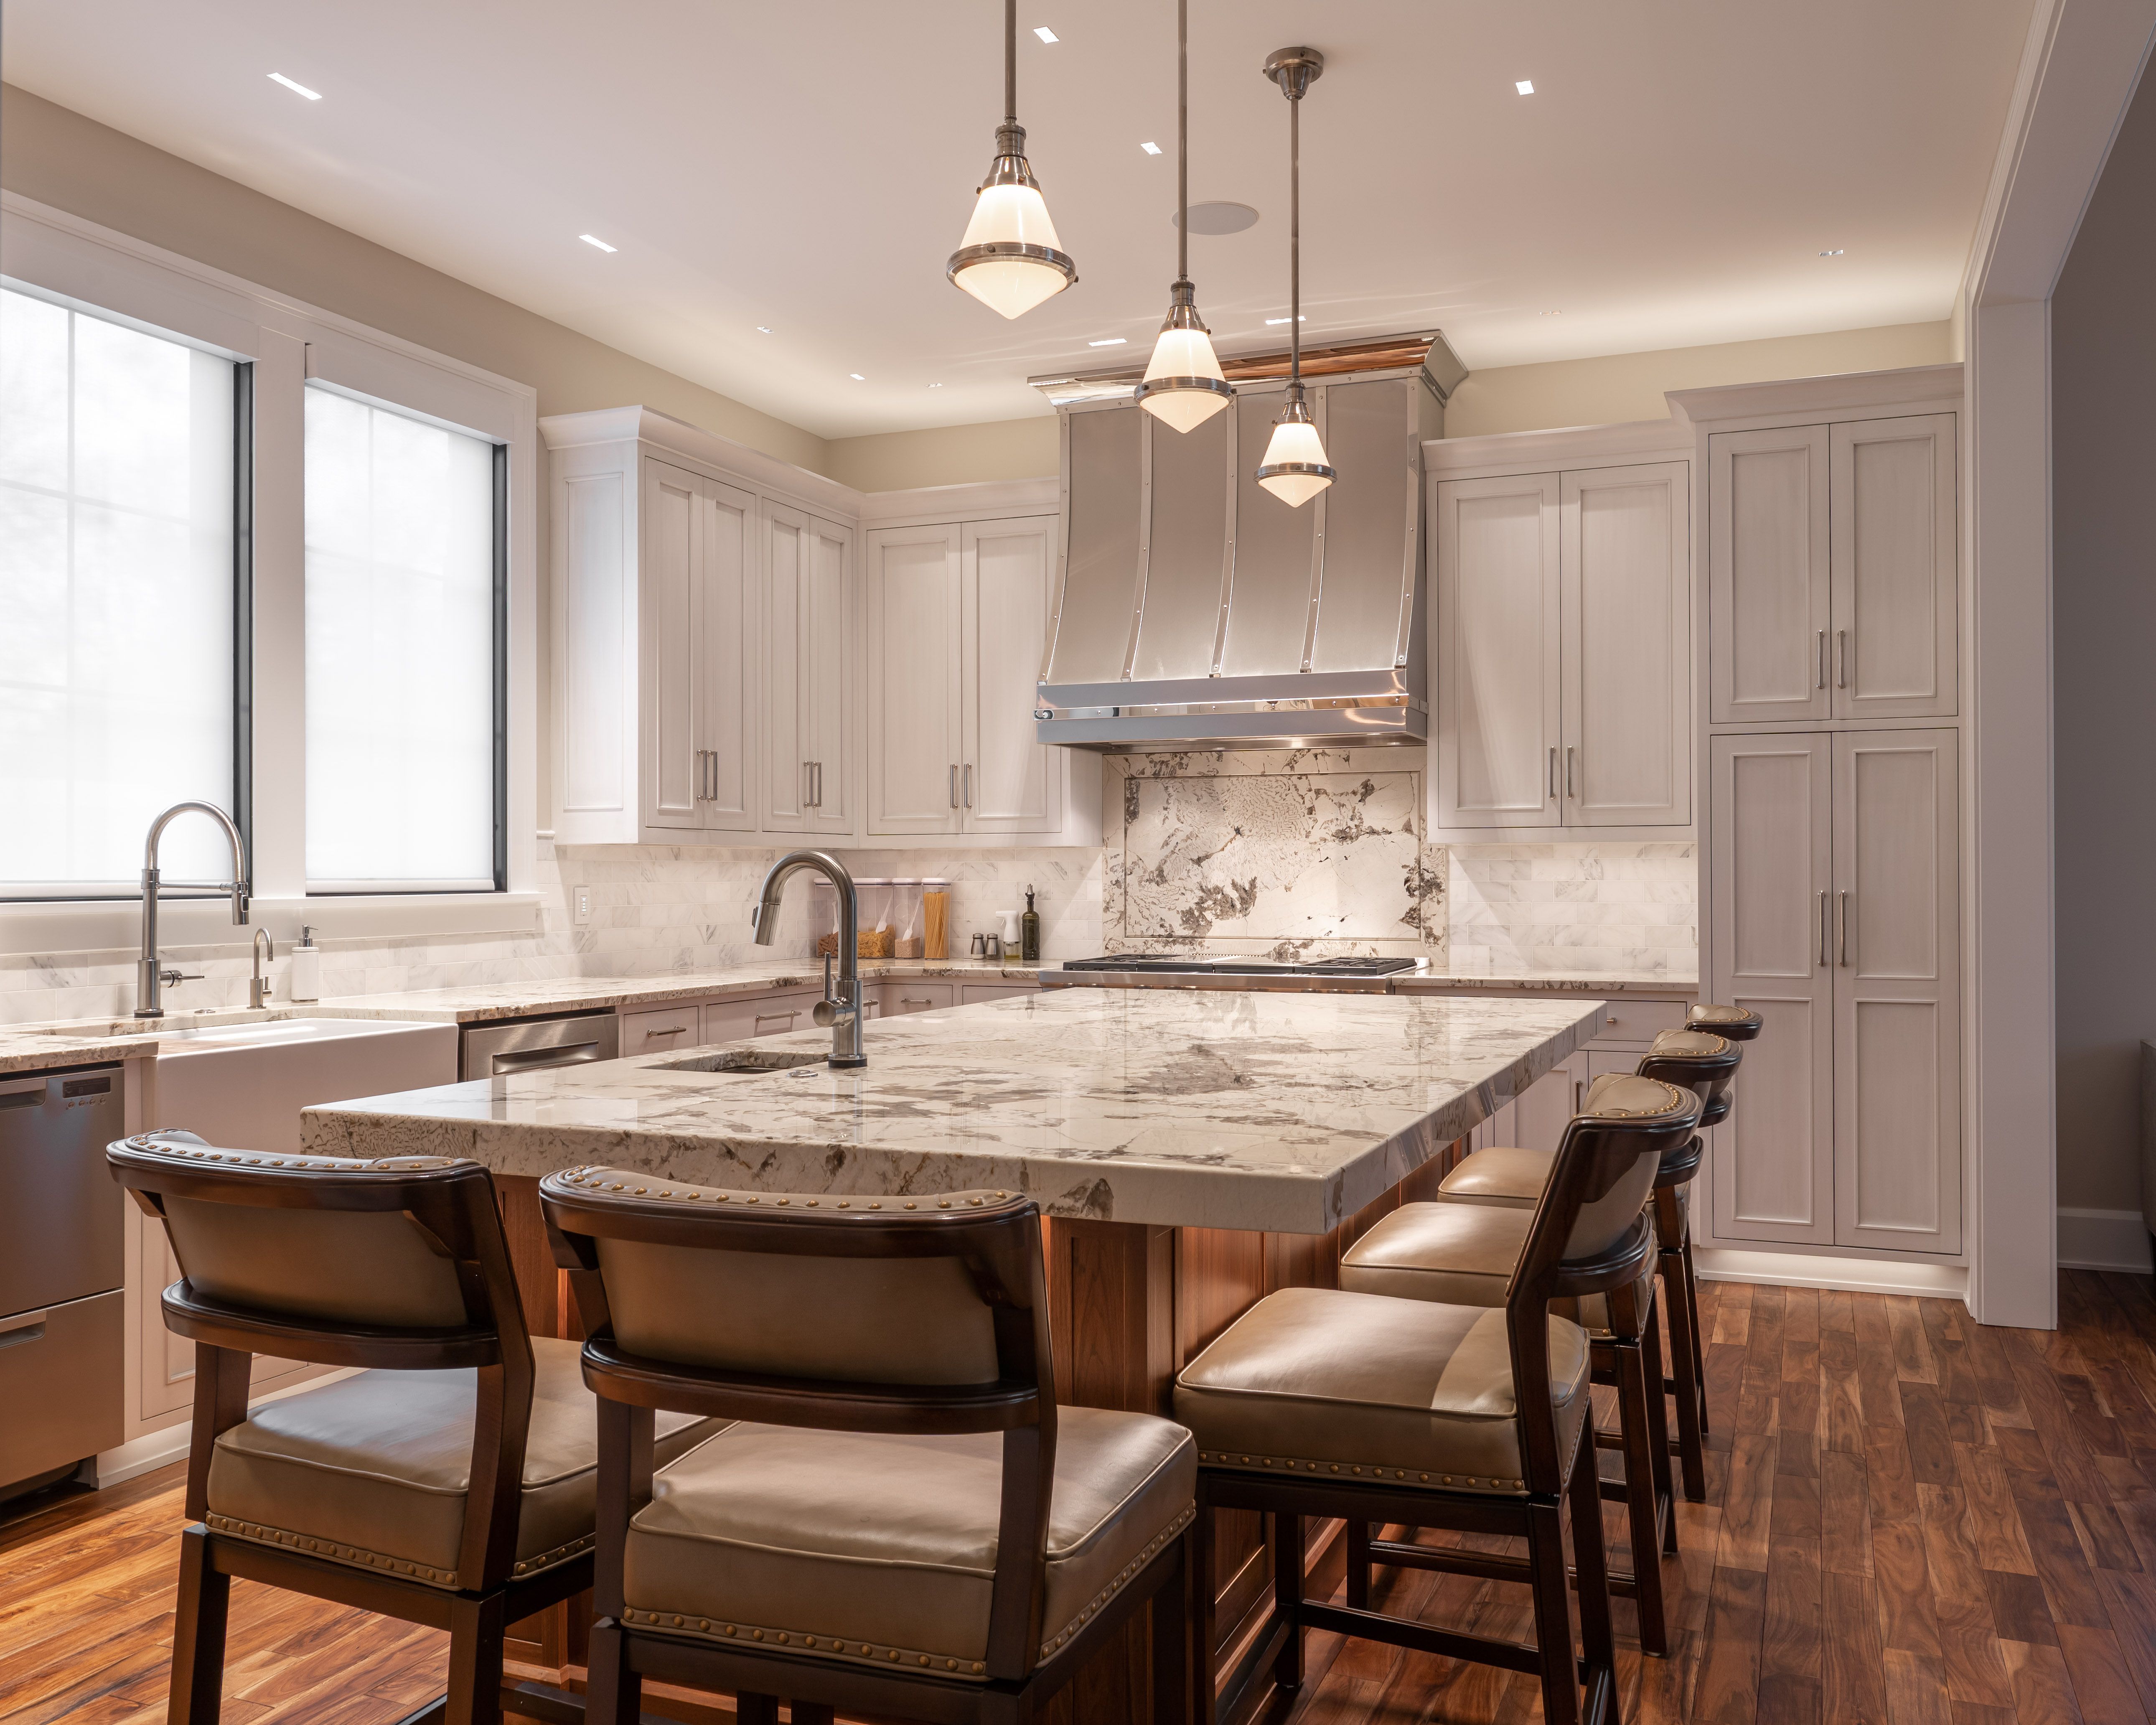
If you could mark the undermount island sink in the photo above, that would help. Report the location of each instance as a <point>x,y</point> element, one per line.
<point>746,1062</point>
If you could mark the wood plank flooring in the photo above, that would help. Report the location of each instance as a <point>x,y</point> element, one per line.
<point>1910,1520</point>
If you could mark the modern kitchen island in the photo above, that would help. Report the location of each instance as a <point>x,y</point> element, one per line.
<point>1193,1150</point>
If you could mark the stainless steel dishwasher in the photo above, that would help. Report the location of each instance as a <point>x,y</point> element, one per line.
<point>62,1352</point>
<point>532,1044</point>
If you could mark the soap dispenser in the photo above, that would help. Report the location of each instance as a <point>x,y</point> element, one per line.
<point>303,973</point>
<point>1028,944</point>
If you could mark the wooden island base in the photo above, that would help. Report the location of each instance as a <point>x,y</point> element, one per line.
<point>1130,1302</point>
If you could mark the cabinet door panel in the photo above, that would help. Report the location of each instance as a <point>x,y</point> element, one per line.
<point>829,659</point>
<point>1897,1110</point>
<point>915,734</point>
<point>1894,568</point>
<point>1767,612</point>
<point>727,677</point>
<point>786,638</point>
<point>1542,1112</point>
<point>1772,1167</point>
<point>1626,605</point>
<point>1497,652</point>
<point>1017,780</point>
<point>672,613</point>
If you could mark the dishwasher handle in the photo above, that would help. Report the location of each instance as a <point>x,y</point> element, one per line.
<point>532,1060</point>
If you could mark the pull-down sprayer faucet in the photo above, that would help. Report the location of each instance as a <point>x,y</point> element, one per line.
<point>149,978</point>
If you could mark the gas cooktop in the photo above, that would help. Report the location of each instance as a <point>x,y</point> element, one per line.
<point>1176,961</point>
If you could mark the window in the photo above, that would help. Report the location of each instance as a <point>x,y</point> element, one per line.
<point>120,590</point>
<point>406,537</point>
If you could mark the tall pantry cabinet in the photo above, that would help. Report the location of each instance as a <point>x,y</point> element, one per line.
<point>1831,882</point>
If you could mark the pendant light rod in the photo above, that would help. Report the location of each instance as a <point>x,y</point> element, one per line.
<point>1182,139</point>
<point>1010,62</point>
<point>1295,238</point>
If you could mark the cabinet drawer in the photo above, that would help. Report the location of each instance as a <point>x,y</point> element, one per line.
<point>673,1027</point>
<point>906,996</point>
<point>971,993</point>
<point>759,1015</point>
<point>1639,1020</point>
<point>61,1372</point>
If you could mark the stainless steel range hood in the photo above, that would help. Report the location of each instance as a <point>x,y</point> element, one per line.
<point>1193,610</point>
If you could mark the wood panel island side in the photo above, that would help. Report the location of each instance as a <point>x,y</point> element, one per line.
<point>1193,1151</point>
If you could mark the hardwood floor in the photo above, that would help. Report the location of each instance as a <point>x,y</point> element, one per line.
<point>1911,1519</point>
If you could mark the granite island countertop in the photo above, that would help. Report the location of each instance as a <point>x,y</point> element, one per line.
<point>1285,1113</point>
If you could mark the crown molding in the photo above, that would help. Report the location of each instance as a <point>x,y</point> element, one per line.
<point>1935,387</point>
<point>1518,451</point>
<point>796,484</point>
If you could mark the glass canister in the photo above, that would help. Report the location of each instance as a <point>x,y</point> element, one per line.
<point>873,895</point>
<point>905,917</point>
<point>935,917</point>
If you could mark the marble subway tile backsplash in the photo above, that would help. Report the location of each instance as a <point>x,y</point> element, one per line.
<point>1597,906</point>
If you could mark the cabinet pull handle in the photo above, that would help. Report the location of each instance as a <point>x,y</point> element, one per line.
<point>1822,659</point>
<point>818,766</point>
<point>670,1030</point>
<point>1568,753</point>
<point>701,777</point>
<point>1823,921</point>
<point>909,1000</point>
<point>954,786</point>
<point>1843,929</point>
<point>1577,1102</point>
<point>969,784</point>
<point>773,1018</point>
<point>1842,659</point>
<point>1553,773</point>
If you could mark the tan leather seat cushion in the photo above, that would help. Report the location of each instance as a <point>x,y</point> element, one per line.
<point>1503,1175</point>
<point>882,1549</point>
<point>1455,1253</point>
<point>1319,1380</point>
<point>372,1470</point>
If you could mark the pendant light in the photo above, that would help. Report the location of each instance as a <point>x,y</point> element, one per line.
<point>1182,386</point>
<point>1010,260</point>
<point>1295,469</point>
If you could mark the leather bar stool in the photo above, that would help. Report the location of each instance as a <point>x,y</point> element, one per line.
<point>450,1483</point>
<point>1706,1063</point>
<point>1467,1416</point>
<point>905,1524</point>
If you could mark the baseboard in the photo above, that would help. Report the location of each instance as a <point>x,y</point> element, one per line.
<point>160,1448</point>
<point>2103,1239</point>
<point>1855,1275</point>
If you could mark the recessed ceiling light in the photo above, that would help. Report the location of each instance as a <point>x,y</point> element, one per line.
<point>1112,341</point>
<point>935,385</point>
<point>1553,314</point>
<point>1526,86</point>
<point>295,86</point>
<point>1272,321</point>
<point>1045,33</point>
<point>857,377</point>
<point>1150,149</point>
<point>763,329</point>
<point>594,239</point>
<point>1836,252</point>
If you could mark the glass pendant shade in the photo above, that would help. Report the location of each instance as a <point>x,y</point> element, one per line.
<point>1295,469</point>
<point>1183,386</point>
<point>1010,260</point>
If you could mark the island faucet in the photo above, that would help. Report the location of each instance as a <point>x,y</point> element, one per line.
<point>149,978</point>
<point>840,1008</point>
<point>265,953</point>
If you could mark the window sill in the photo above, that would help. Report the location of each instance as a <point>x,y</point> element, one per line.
<point>107,925</point>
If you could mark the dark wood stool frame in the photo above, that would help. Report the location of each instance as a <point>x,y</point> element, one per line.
<point>1595,1154</point>
<point>454,1203</point>
<point>1000,1245</point>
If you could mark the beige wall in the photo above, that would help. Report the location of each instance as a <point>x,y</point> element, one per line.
<point>1616,388</point>
<point>2104,599</point>
<point>58,157</point>
<point>945,456</point>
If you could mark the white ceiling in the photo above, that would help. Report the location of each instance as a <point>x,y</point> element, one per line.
<point>1672,181</point>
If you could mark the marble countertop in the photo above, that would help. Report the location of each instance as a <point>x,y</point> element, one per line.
<point>1286,1112</point>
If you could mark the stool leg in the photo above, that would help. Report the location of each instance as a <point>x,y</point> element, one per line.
<point>477,1628</point>
<point>1553,1601</point>
<point>198,1634</point>
<point>1204,1659</point>
<point>613,1692</point>
<point>756,1709</point>
<point>1684,1375</point>
<point>1359,1565</point>
<point>1287,1596</point>
<point>1171,1615</point>
<point>1698,1349</point>
<point>811,1713</point>
<point>1632,1417</point>
<point>1598,1634</point>
<point>1658,1429</point>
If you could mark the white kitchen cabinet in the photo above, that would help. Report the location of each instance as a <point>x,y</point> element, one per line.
<point>1831,572</point>
<point>1564,650</point>
<point>1893,563</point>
<point>1625,606</point>
<point>660,1030</point>
<point>807,610</point>
<point>1498,655</point>
<point>1835,870</point>
<point>957,615</point>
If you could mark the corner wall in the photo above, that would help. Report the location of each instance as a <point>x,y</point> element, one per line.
<point>2103,453</point>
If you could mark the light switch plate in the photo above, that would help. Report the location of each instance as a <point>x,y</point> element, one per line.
<point>584,906</point>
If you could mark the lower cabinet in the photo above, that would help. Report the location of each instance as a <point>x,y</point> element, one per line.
<point>909,994</point>
<point>1835,916</point>
<point>660,1030</point>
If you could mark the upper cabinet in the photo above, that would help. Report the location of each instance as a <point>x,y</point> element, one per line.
<point>1832,571</point>
<point>1563,649</point>
<point>956,617</point>
<point>808,772</point>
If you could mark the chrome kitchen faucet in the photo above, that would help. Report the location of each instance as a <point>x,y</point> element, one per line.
<point>840,1008</point>
<point>149,978</point>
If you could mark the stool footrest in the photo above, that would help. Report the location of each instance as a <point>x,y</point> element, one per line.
<point>1486,1566</point>
<point>1421,1637</point>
